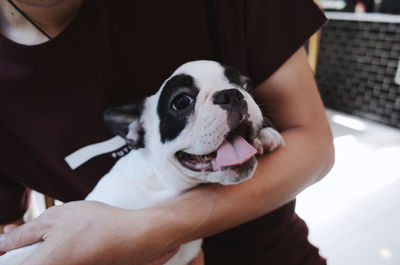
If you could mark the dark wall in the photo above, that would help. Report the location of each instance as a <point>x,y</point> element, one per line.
<point>356,69</point>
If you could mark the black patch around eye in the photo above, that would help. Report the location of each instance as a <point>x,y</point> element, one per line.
<point>171,122</point>
<point>236,78</point>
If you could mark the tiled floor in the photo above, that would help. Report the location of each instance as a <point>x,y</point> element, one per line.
<point>354,212</point>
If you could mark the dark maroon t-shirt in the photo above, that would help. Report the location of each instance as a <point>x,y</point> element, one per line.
<point>53,96</point>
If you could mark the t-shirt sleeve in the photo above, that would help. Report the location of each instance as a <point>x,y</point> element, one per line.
<point>14,200</point>
<point>275,30</point>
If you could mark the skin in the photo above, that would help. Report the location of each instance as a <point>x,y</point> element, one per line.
<point>9,227</point>
<point>72,232</point>
<point>53,16</point>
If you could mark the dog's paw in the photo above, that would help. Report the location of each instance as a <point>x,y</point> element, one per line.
<point>268,140</point>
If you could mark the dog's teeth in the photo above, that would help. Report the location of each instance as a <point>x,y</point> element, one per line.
<point>197,162</point>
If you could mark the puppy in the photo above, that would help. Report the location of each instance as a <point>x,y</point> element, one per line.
<point>201,126</point>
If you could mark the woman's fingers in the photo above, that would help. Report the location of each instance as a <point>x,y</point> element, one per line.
<point>21,236</point>
<point>6,229</point>
<point>9,228</point>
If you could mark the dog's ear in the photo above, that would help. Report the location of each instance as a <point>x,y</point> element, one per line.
<point>125,122</point>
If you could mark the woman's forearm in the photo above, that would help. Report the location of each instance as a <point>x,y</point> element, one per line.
<point>292,97</point>
<point>280,176</point>
<point>101,234</point>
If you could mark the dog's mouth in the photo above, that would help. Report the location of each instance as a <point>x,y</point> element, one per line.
<point>197,162</point>
<point>233,152</point>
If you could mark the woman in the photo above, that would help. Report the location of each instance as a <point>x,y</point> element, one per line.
<point>63,62</point>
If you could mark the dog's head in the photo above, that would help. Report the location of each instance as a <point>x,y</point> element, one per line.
<point>200,125</point>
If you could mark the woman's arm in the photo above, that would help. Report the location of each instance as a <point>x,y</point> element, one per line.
<point>12,224</point>
<point>8,227</point>
<point>296,109</point>
<point>93,233</point>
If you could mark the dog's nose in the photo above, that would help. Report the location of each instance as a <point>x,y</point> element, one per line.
<point>228,97</point>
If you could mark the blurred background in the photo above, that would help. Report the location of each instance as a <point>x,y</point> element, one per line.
<point>354,212</point>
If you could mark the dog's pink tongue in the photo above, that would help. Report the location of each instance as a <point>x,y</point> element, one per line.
<point>235,152</point>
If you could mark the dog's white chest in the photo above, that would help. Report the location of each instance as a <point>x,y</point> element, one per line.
<point>202,126</point>
<point>131,184</point>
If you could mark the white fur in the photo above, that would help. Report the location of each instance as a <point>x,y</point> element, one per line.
<point>148,176</point>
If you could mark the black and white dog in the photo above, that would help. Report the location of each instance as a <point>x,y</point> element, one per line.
<point>201,126</point>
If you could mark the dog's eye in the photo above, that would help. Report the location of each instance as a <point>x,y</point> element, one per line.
<point>181,101</point>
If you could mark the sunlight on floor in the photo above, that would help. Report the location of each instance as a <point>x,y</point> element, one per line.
<point>361,192</point>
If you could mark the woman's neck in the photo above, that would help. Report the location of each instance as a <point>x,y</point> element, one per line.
<point>41,3</point>
<point>52,16</point>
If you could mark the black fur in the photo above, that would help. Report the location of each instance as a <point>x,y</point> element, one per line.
<point>238,79</point>
<point>173,122</point>
<point>228,97</point>
<point>233,76</point>
<point>232,100</point>
<point>118,119</point>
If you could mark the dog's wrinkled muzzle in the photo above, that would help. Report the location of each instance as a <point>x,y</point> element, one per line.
<point>235,150</point>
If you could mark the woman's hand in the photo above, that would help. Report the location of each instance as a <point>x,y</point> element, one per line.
<point>93,233</point>
<point>86,232</point>
<point>9,227</point>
